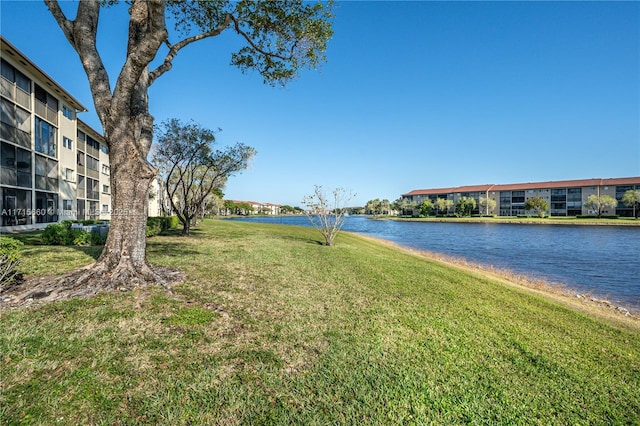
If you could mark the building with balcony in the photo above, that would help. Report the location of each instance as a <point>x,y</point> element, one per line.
<point>53,166</point>
<point>565,198</point>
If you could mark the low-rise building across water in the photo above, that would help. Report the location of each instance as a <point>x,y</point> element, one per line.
<point>565,197</point>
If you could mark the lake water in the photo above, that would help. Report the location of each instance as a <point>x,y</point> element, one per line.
<point>602,260</point>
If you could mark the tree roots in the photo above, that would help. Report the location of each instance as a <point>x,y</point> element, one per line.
<point>87,282</point>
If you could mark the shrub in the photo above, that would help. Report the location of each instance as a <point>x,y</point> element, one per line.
<point>55,234</point>
<point>59,235</point>
<point>154,226</point>
<point>172,222</point>
<point>157,224</point>
<point>10,256</point>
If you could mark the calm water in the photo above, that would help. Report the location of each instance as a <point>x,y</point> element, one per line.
<point>603,260</point>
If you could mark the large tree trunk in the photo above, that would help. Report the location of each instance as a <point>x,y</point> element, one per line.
<point>123,257</point>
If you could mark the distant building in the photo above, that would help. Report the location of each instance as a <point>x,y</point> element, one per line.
<point>257,208</point>
<point>565,198</point>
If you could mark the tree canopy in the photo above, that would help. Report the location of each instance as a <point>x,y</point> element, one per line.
<point>191,169</point>
<point>465,205</point>
<point>600,203</point>
<point>278,39</point>
<point>537,204</point>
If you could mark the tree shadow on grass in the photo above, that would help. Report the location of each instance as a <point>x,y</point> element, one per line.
<point>171,249</point>
<point>305,240</point>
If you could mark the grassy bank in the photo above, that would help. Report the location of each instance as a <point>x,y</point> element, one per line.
<point>273,328</point>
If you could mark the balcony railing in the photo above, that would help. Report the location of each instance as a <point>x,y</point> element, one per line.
<point>47,113</point>
<point>94,174</point>
<point>16,94</point>
<point>15,135</point>
<point>93,152</point>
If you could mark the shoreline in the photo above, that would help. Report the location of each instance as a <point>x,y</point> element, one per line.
<point>553,290</point>
<point>516,221</point>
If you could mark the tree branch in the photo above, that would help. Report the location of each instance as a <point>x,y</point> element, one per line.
<point>81,33</point>
<point>254,46</point>
<point>65,24</point>
<point>175,48</point>
<point>147,31</point>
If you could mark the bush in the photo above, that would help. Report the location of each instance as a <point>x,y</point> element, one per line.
<point>59,235</point>
<point>56,234</point>
<point>10,257</point>
<point>172,222</point>
<point>156,225</point>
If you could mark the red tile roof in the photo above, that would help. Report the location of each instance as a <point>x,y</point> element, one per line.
<point>530,185</point>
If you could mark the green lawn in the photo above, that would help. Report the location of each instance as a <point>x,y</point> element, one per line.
<point>273,328</point>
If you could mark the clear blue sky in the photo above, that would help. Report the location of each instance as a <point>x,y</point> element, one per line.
<point>413,95</point>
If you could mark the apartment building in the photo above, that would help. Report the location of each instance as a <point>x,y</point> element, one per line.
<point>565,198</point>
<point>53,166</point>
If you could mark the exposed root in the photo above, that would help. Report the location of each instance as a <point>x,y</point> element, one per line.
<point>86,282</point>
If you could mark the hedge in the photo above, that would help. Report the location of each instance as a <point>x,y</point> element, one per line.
<point>62,235</point>
<point>157,224</point>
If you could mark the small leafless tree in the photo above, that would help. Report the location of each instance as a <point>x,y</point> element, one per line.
<point>326,212</point>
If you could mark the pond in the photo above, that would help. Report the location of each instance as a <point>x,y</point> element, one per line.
<point>601,260</point>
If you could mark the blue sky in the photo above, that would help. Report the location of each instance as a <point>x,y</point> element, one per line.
<point>413,95</point>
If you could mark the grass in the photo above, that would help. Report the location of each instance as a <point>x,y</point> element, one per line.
<point>273,328</point>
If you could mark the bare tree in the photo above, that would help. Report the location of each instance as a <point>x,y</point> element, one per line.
<point>191,169</point>
<point>326,212</point>
<point>279,38</point>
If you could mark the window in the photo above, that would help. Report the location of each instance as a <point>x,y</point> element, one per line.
<point>44,97</point>
<point>67,208</point>
<point>16,205</point>
<point>45,138</point>
<point>67,112</point>
<point>93,143</point>
<point>80,158</point>
<point>46,207</point>
<point>105,169</point>
<point>68,175</point>
<point>80,188</point>
<point>105,189</point>
<point>46,173</point>
<point>16,124</point>
<point>105,208</point>
<point>16,77</point>
<point>92,189</point>
<point>93,209</point>
<point>15,167</point>
<point>92,163</point>
<point>67,143</point>
<point>104,149</point>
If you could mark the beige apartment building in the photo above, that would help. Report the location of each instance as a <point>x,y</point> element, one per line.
<point>53,166</point>
<point>565,198</point>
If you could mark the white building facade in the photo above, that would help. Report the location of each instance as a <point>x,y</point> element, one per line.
<point>53,166</point>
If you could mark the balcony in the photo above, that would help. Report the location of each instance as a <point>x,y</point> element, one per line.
<point>15,135</point>
<point>92,151</point>
<point>94,174</point>
<point>47,113</point>
<point>16,94</point>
